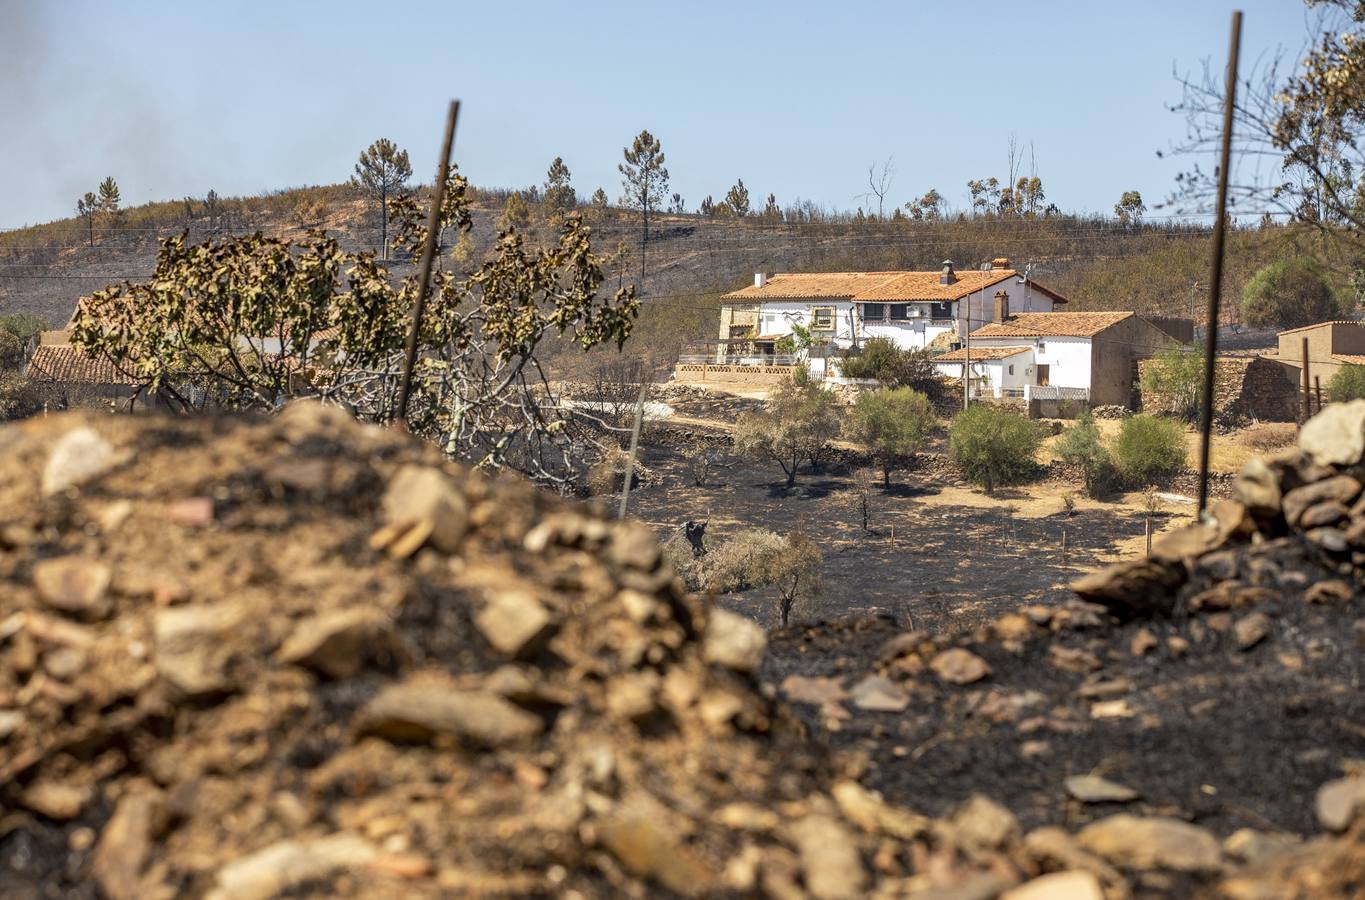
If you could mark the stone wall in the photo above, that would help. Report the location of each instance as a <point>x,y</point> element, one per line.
<point>1257,387</point>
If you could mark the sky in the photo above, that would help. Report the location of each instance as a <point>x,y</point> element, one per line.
<point>797,98</point>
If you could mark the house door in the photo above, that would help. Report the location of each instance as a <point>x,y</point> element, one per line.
<point>1044,375</point>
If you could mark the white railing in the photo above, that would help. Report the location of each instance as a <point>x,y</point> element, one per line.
<point>1054,392</point>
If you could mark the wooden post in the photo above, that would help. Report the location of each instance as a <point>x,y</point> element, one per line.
<point>1307,395</point>
<point>1317,390</point>
<point>1149,535</point>
<point>428,255</point>
<point>1216,263</point>
<point>634,446</point>
<point>1064,539</point>
<point>893,534</point>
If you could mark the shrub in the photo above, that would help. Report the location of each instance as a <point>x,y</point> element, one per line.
<point>891,425</point>
<point>797,423</point>
<point>756,558</point>
<point>994,446</point>
<point>609,473</point>
<point>1175,375</point>
<point>1149,446</point>
<point>1082,445</point>
<point>1289,294</point>
<point>1347,384</point>
<point>894,367</point>
<point>22,325</point>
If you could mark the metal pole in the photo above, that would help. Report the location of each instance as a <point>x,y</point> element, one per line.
<point>1317,390</point>
<point>428,257</point>
<point>1307,391</point>
<point>634,446</point>
<point>1216,266</point>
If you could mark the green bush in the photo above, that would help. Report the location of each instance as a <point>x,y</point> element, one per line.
<point>994,446</point>
<point>891,425</point>
<point>1175,380</point>
<point>798,422</point>
<point>1290,294</point>
<point>1149,446</point>
<point>1347,384</point>
<point>1082,445</point>
<point>881,360</point>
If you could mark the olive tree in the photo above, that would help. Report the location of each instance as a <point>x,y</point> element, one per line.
<point>891,426</point>
<point>251,322</point>
<point>797,423</point>
<point>993,446</point>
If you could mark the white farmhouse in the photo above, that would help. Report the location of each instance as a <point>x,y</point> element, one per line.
<point>1057,355</point>
<point>913,309</point>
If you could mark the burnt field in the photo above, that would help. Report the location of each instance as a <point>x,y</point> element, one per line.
<point>937,555</point>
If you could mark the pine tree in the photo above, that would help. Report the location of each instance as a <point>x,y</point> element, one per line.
<point>559,195</point>
<point>738,199</point>
<point>86,207</point>
<point>516,215</point>
<point>645,184</point>
<point>771,211</point>
<point>382,171</point>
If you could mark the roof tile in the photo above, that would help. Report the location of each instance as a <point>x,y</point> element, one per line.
<point>65,363</point>
<point>1052,324</point>
<point>980,354</point>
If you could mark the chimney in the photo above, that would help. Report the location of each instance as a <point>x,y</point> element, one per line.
<point>760,279</point>
<point>1000,262</point>
<point>1002,306</point>
<point>948,276</point>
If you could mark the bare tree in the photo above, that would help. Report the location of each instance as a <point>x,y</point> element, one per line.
<point>879,184</point>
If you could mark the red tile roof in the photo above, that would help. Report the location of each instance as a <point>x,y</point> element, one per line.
<point>812,286</point>
<point>68,364</point>
<point>911,286</point>
<point>1052,324</point>
<point>1349,359</point>
<point>980,354</point>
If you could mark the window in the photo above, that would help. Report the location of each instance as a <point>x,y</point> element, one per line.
<point>822,318</point>
<point>1042,347</point>
<point>900,312</point>
<point>1011,370</point>
<point>941,311</point>
<point>874,312</point>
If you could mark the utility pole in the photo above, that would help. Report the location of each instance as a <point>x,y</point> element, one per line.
<point>1307,391</point>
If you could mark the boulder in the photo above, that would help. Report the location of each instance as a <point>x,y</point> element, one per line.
<point>1134,588</point>
<point>960,666</point>
<point>424,498</point>
<point>75,585</point>
<point>733,641</point>
<point>514,622</point>
<point>430,711</point>
<point>830,860</point>
<point>1340,488</point>
<point>1336,435</point>
<point>1154,842</point>
<point>79,456</point>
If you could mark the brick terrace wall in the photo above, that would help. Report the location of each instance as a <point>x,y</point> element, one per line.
<point>1253,386</point>
<point>708,373</point>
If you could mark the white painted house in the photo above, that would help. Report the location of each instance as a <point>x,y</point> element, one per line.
<point>1057,355</point>
<point>913,309</point>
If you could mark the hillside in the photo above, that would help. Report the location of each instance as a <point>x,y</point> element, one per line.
<point>1099,264</point>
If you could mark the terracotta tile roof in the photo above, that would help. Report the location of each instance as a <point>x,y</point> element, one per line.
<point>68,364</point>
<point>813,286</point>
<point>910,286</point>
<point>1052,324</point>
<point>1319,325</point>
<point>981,354</point>
<point>1349,359</point>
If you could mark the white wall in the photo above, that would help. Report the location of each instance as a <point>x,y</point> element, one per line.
<point>1023,298</point>
<point>997,373</point>
<point>777,316</point>
<point>1067,358</point>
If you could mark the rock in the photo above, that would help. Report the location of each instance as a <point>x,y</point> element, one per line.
<point>1135,588</point>
<point>75,585</point>
<point>1328,512</point>
<point>1332,591</point>
<point>1094,789</point>
<point>633,547</point>
<point>983,824</point>
<point>279,868</point>
<point>422,496</point>
<point>56,800</point>
<point>125,844</point>
<point>959,666</point>
<point>1333,540</point>
<point>1073,659</point>
<point>877,694</point>
<point>64,663</point>
<point>1251,846</point>
<point>1143,642</point>
<point>1258,489</point>
<point>514,622</point>
<point>1340,488</point>
<point>830,860</point>
<point>80,455</point>
<point>1055,845</point>
<point>648,851</point>
<point>11,720</point>
<point>1154,842</point>
<point>429,711</point>
<point>1251,629</point>
<point>191,512</point>
<point>1336,435</point>
<point>339,643</point>
<point>401,865</point>
<point>190,649</point>
<point>733,641</point>
<point>1072,885</point>
<point>868,811</point>
<point>1339,802</point>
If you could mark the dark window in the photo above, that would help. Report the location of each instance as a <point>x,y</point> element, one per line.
<point>900,311</point>
<point>942,311</point>
<point>874,312</point>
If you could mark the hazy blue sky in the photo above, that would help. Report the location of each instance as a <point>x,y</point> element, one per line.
<point>796,98</point>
